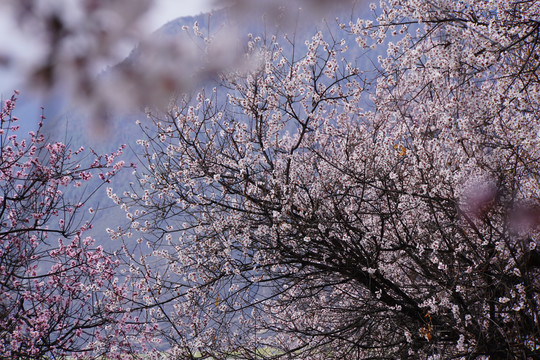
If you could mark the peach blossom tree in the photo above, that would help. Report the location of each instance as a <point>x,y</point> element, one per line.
<point>60,293</point>
<point>307,208</point>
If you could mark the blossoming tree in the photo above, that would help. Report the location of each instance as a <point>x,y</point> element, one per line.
<point>308,209</point>
<point>59,294</point>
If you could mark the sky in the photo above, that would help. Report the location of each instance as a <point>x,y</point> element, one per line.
<point>167,10</point>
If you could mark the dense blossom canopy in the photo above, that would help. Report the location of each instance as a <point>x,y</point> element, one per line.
<point>312,209</point>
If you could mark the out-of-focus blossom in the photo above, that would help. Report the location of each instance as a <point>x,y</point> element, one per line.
<point>479,197</point>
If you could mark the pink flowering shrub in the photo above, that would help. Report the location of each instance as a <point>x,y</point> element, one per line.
<point>59,292</point>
